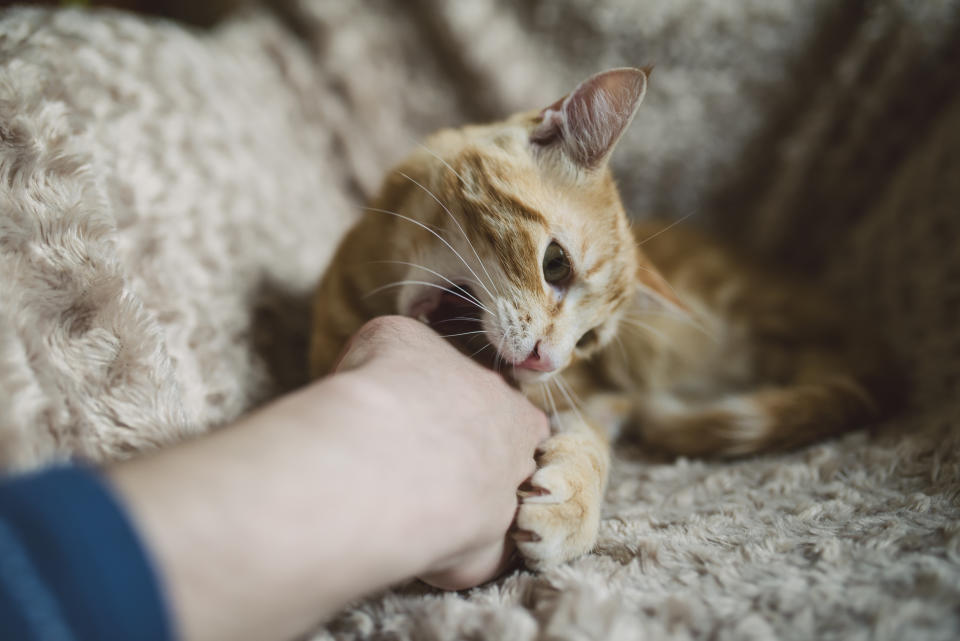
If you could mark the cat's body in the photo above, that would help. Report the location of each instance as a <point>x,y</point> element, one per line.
<point>511,239</point>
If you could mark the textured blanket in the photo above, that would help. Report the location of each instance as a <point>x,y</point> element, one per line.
<point>169,197</point>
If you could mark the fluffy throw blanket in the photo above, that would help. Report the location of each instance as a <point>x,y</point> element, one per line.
<point>168,198</point>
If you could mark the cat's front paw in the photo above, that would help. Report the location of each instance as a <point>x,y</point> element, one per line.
<point>559,511</point>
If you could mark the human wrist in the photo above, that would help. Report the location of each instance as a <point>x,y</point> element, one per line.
<point>291,497</point>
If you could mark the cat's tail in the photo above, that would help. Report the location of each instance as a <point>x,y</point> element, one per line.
<point>771,418</point>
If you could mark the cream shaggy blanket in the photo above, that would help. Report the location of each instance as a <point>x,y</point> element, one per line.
<point>169,197</point>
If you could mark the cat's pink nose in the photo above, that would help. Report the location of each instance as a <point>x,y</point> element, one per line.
<point>538,361</point>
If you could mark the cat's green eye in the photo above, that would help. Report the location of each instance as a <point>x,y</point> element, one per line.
<point>556,266</point>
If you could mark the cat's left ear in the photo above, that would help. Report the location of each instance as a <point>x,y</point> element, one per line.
<point>587,123</point>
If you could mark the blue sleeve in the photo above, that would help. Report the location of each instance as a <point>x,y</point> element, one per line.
<point>71,565</point>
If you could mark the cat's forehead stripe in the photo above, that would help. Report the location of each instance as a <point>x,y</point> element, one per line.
<point>519,261</point>
<point>482,170</point>
<point>516,250</point>
<point>512,204</point>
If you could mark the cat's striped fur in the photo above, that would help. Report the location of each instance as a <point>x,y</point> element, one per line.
<point>659,330</point>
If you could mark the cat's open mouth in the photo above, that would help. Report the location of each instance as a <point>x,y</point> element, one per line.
<point>455,314</point>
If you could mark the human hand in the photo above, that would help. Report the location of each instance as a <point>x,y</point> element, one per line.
<point>404,463</point>
<point>457,441</point>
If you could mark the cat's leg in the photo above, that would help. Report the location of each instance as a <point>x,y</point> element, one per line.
<point>559,513</point>
<point>768,418</point>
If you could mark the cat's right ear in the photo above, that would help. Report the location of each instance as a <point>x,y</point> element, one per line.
<point>587,123</point>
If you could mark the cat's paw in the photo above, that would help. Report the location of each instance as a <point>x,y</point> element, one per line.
<point>559,511</point>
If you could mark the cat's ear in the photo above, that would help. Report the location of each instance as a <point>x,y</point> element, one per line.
<point>587,123</point>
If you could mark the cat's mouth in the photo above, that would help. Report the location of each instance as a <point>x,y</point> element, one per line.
<point>455,314</point>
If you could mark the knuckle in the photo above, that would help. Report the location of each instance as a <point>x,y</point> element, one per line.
<point>383,324</point>
<point>386,330</point>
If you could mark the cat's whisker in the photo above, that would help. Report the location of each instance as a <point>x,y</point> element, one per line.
<point>431,228</point>
<point>460,227</point>
<point>664,301</point>
<point>567,393</point>
<point>498,358</point>
<point>636,325</point>
<point>623,350</point>
<point>461,334</point>
<point>425,268</point>
<point>576,398</point>
<point>444,162</point>
<point>498,361</point>
<point>465,319</point>
<point>553,405</point>
<point>401,283</point>
<point>439,237</point>
<point>456,221</point>
<point>471,341</point>
<point>480,350</point>
<point>665,229</point>
<point>683,318</point>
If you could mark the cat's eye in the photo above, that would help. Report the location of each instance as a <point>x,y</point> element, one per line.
<point>556,265</point>
<point>589,338</point>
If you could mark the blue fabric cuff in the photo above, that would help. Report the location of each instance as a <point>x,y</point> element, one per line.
<point>69,552</point>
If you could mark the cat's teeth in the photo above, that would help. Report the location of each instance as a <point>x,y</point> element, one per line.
<point>423,319</point>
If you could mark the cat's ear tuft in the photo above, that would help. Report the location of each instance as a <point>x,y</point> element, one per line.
<point>587,123</point>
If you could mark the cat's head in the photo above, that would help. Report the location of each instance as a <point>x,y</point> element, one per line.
<point>529,228</point>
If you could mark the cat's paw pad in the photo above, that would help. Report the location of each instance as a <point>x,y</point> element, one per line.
<point>559,512</point>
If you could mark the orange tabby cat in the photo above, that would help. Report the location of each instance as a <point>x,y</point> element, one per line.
<point>511,239</point>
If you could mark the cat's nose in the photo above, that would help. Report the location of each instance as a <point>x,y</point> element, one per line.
<point>538,360</point>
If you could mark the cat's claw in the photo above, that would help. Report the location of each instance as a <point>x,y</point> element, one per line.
<point>560,504</point>
<point>528,489</point>
<point>525,535</point>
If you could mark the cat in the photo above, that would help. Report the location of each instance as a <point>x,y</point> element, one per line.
<point>511,240</point>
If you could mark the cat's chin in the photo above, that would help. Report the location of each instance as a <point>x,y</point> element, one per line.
<point>523,376</point>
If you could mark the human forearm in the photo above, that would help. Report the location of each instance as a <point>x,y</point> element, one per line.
<point>276,518</point>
